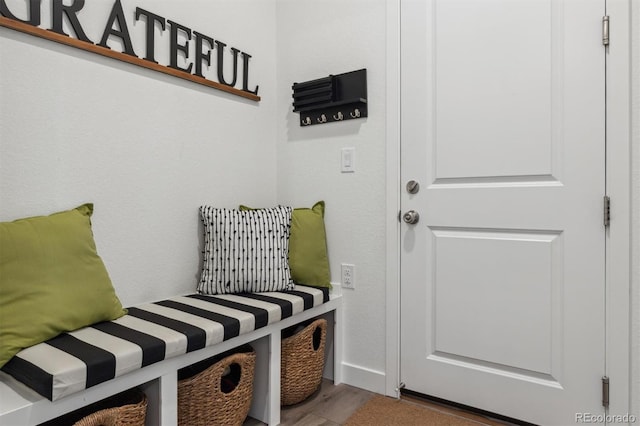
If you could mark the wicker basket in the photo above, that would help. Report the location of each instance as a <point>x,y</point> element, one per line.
<point>302,363</point>
<point>132,413</point>
<point>208,398</point>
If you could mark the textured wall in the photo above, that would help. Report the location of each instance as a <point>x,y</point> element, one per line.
<point>635,208</point>
<point>149,149</point>
<point>146,148</point>
<point>315,39</point>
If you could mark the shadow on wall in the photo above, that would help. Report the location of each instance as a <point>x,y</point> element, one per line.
<point>125,67</point>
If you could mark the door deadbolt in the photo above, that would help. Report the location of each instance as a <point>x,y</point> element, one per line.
<point>413,187</point>
<point>411,217</point>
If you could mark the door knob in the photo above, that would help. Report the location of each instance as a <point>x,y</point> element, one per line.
<point>411,217</point>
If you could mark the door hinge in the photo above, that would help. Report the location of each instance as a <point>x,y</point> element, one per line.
<point>605,30</point>
<point>605,391</point>
<point>607,210</point>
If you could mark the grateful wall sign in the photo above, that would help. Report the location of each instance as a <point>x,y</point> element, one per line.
<point>191,53</point>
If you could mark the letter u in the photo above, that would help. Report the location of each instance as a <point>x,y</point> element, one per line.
<point>235,51</point>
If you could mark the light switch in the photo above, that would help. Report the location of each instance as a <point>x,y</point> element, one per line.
<point>348,163</point>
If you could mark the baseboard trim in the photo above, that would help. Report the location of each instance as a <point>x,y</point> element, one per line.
<point>363,378</point>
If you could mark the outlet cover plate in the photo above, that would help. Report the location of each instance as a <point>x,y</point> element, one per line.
<point>348,275</point>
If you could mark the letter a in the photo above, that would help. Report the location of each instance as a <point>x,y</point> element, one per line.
<point>118,15</point>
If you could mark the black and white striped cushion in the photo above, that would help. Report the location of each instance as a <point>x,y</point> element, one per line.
<point>245,251</point>
<point>150,333</point>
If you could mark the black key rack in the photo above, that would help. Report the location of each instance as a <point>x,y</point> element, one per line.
<point>334,98</point>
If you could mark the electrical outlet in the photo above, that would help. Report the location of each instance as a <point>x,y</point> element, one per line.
<point>348,276</point>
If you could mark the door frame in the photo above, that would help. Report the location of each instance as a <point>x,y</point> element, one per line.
<point>618,176</point>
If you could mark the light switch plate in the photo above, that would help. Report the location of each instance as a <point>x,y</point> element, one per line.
<point>348,160</point>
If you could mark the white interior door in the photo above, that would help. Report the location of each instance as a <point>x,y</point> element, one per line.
<point>503,127</point>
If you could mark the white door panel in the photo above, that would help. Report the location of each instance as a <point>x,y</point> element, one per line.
<point>502,300</point>
<point>478,90</point>
<point>520,268</point>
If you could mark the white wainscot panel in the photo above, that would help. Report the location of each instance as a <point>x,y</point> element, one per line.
<point>495,96</point>
<point>496,298</point>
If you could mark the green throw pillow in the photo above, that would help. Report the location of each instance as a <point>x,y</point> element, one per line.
<point>51,279</point>
<point>308,259</point>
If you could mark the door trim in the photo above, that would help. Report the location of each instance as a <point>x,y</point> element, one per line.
<point>393,200</point>
<point>618,244</point>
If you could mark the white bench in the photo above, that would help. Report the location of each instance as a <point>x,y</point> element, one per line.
<point>20,405</point>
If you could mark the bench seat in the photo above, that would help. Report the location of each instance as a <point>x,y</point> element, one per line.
<point>150,333</point>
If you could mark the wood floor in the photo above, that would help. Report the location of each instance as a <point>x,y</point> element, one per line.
<point>329,406</point>
<point>333,405</point>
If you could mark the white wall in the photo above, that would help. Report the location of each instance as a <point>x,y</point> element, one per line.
<point>635,209</point>
<point>145,148</point>
<point>148,149</point>
<point>311,44</point>
<point>316,38</point>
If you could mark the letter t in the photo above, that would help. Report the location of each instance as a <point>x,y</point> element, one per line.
<point>152,18</point>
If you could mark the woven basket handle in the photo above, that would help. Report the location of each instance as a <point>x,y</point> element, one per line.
<point>242,360</point>
<point>317,335</point>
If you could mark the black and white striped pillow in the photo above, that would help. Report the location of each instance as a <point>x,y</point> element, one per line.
<point>245,251</point>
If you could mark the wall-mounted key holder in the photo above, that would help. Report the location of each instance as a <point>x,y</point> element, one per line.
<point>333,98</point>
